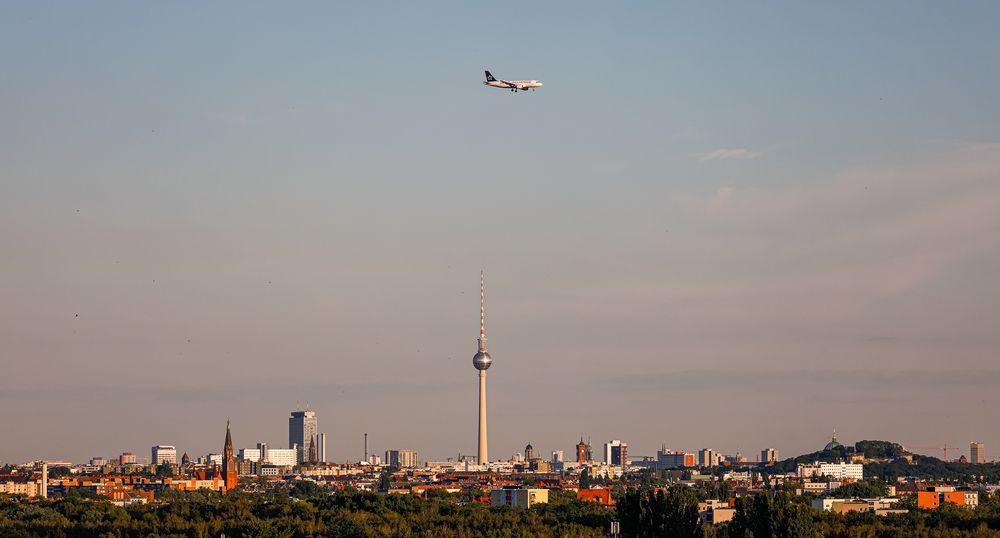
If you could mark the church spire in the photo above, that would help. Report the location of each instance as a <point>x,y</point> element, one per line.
<point>227,449</point>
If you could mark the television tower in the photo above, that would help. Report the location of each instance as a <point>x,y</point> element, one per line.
<point>482,362</point>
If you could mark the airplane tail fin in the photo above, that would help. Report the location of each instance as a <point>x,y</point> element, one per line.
<point>489,77</point>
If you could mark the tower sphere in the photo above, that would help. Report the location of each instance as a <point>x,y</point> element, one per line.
<point>482,360</point>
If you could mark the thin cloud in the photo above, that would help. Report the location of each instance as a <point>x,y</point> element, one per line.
<point>778,379</point>
<point>724,154</point>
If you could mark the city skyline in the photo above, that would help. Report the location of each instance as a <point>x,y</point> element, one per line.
<point>615,450</point>
<point>208,212</point>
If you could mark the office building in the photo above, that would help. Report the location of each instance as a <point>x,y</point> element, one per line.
<point>977,452</point>
<point>768,455</point>
<point>669,459</point>
<point>401,458</point>
<point>302,427</point>
<point>708,457</point>
<point>322,448</point>
<point>557,456</point>
<point>126,457</point>
<point>282,457</point>
<point>251,454</point>
<point>164,454</point>
<point>841,471</point>
<point>616,453</point>
<point>836,471</point>
<point>271,470</point>
<point>518,497</point>
<point>934,497</point>
<point>877,505</point>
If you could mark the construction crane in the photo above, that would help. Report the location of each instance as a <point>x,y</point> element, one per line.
<point>944,449</point>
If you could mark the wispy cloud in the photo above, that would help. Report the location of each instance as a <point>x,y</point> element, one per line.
<point>848,242</point>
<point>723,154</point>
<point>775,379</point>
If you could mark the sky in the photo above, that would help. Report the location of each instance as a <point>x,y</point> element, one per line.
<point>726,225</point>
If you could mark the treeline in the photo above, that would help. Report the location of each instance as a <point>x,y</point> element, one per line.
<point>303,512</point>
<point>673,513</point>
<point>933,468</point>
<point>306,511</point>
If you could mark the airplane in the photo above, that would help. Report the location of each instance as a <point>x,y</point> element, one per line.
<point>512,85</point>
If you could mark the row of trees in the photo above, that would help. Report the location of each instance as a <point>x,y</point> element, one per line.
<point>673,513</point>
<point>304,511</point>
<point>311,511</point>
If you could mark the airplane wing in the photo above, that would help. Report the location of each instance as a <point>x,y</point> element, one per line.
<point>508,83</point>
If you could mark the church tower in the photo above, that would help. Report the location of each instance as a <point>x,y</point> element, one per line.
<point>581,451</point>
<point>229,473</point>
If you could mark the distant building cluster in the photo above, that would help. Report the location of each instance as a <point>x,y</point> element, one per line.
<point>500,483</point>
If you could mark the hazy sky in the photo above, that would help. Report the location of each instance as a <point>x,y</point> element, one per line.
<point>734,225</point>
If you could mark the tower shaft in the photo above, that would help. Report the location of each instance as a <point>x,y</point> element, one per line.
<point>483,456</point>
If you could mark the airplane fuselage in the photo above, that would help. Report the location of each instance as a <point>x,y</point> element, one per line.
<point>514,85</point>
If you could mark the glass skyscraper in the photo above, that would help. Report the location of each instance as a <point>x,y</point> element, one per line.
<point>302,428</point>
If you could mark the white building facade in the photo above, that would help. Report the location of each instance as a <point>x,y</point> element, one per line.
<point>285,457</point>
<point>164,454</point>
<point>837,471</point>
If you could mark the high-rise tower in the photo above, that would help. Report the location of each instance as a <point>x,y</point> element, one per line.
<point>302,430</point>
<point>482,362</point>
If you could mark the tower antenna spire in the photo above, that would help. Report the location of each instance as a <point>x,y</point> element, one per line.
<point>482,309</point>
<point>482,359</point>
